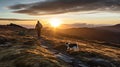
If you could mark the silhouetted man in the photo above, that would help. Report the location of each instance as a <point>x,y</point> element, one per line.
<point>38,28</point>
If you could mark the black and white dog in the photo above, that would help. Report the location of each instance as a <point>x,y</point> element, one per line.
<point>72,46</point>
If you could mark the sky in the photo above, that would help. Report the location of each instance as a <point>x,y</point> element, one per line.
<point>68,11</point>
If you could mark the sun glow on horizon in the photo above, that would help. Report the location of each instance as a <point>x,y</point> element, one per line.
<point>55,22</point>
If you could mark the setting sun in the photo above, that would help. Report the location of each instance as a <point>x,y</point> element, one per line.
<point>55,22</point>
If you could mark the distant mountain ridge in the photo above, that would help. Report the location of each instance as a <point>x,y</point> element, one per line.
<point>109,34</point>
<point>114,28</point>
<point>81,25</point>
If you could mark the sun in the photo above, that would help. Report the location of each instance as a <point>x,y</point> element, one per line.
<point>55,22</point>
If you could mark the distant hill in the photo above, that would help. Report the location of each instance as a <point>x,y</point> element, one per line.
<point>80,25</point>
<point>12,26</point>
<point>114,28</point>
<point>107,33</point>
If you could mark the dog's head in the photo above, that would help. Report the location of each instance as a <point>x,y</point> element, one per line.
<point>67,43</point>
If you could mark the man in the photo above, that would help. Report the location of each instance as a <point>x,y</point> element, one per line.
<point>38,28</point>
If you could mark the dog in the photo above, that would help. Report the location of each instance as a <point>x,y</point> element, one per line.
<point>72,46</point>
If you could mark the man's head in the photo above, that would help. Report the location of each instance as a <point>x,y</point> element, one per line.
<point>38,22</point>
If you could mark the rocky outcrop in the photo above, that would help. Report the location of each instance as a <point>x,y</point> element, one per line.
<point>96,62</point>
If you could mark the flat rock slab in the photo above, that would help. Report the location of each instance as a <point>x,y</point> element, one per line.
<point>6,45</point>
<point>100,62</point>
<point>64,57</point>
<point>44,46</point>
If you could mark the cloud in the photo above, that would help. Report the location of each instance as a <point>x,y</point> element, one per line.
<point>18,6</point>
<point>48,7</point>
<point>13,19</point>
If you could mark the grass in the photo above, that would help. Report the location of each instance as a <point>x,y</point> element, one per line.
<point>89,50</point>
<point>28,57</point>
<point>26,52</point>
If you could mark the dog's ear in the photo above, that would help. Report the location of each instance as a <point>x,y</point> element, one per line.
<point>66,42</point>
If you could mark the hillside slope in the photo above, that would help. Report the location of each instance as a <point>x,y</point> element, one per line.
<point>114,28</point>
<point>92,34</point>
<point>22,50</point>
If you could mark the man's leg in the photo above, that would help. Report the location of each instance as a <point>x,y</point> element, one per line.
<point>38,33</point>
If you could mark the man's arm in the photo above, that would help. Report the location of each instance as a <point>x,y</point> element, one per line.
<point>36,26</point>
